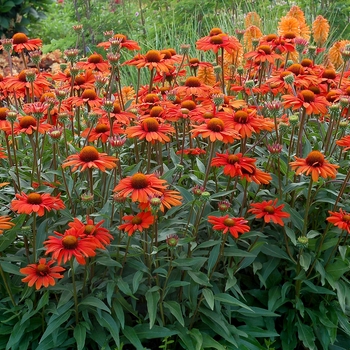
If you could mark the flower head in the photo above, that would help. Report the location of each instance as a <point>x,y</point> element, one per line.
<point>137,222</point>
<point>20,42</point>
<point>41,273</point>
<point>230,224</point>
<point>340,219</point>
<point>5,223</point>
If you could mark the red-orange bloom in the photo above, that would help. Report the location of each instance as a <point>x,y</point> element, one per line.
<point>150,129</point>
<point>314,164</point>
<point>193,87</point>
<point>28,124</point>
<point>5,223</point>
<point>153,59</point>
<point>216,129</point>
<point>344,142</point>
<point>101,131</point>
<point>263,53</point>
<point>88,97</point>
<point>234,163</point>
<point>36,203</point>
<point>168,199</point>
<point>258,176</point>
<point>41,273</point>
<point>89,157</point>
<point>137,222</point>
<point>217,41</point>
<point>95,62</point>
<point>123,42</point>
<point>141,187</point>
<point>308,100</point>
<point>269,211</point>
<point>340,219</point>
<point>99,234</point>
<point>230,224</point>
<point>21,42</point>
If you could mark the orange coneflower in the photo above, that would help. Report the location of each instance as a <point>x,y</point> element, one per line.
<point>101,131</point>
<point>320,30</point>
<point>193,87</point>
<point>5,223</point>
<point>95,62</point>
<point>151,130</point>
<point>88,97</point>
<point>314,164</point>
<point>36,203</point>
<point>20,42</point>
<point>308,100</point>
<point>215,129</point>
<point>233,163</point>
<point>28,124</point>
<point>270,211</point>
<point>141,187</point>
<point>263,53</point>
<point>217,41</point>
<point>168,199</point>
<point>99,234</point>
<point>137,222</point>
<point>4,123</point>
<point>230,224</point>
<point>340,219</point>
<point>344,142</point>
<point>153,59</point>
<point>41,273</point>
<point>256,175</point>
<point>89,157</point>
<point>123,42</point>
<point>71,243</point>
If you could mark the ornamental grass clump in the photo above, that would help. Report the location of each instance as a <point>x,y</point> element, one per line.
<point>205,207</point>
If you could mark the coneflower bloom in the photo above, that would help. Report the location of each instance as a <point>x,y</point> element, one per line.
<point>95,62</point>
<point>193,87</point>
<point>71,243</point>
<point>36,203</point>
<point>225,224</point>
<point>20,42</point>
<point>41,273</point>
<point>28,125</point>
<point>215,129</point>
<point>340,219</point>
<point>151,130</point>
<point>153,59</point>
<point>85,80</point>
<point>168,199</point>
<point>270,211</point>
<point>101,132</point>
<point>314,164</point>
<point>99,234</point>
<point>256,175</point>
<point>88,97</point>
<point>263,53</point>
<point>313,104</point>
<point>123,42</point>
<point>234,163</point>
<point>344,142</point>
<point>4,123</point>
<point>89,157</point>
<point>137,222</point>
<point>140,187</point>
<point>5,223</point>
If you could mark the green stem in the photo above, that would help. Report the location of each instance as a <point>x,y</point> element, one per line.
<point>75,296</point>
<point>307,205</point>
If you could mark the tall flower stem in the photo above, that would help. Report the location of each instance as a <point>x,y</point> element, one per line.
<point>307,206</point>
<point>34,237</point>
<point>125,255</point>
<point>299,151</point>
<point>75,296</point>
<point>7,287</point>
<point>211,154</point>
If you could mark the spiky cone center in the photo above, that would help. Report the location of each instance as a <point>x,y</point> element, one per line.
<point>79,80</point>
<point>265,48</point>
<point>229,222</point>
<point>89,94</point>
<point>139,181</point>
<point>279,41</point>
<point>153,56</point>
<point>289,35</point>
<point>188,104</point>
<point>101,128</point>
<point>42,269</point>
<point>192,82</point>
<point>88,154</point>
<point>136,220</point>
<point>27,121</point>
<point>217,39</point>
<point>34,198</point>
<point>95,58</point>
<point>270,37</point>
<point>232,159</point>
<point>331,96</point>
<point>329,74</point>
<point>3,113</point>
<point>269,209</point>
<point>89,229</point>
<point>296,68</point>
<point>315,89</point>
<point>315,159</point>
<point>308,95</point>
<point>216,125</point>
<point>19,38</point>
<point>150,124</point>
<point>241,117</point>
<point>151,98</point>
<point>285,74</point>
<point>22,76</point>
<point>46,96</point>
<point>70,242</point>
<point>208,115</point>
<point>194,60</point>
<point>120,37</point>
<point>156,111</point>
<point>215,31</point>
<point>166,53</point>
<point>346,218</point>
<point>306,62</point>
<point>347,91</point>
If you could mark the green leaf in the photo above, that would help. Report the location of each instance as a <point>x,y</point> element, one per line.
<point>118,309</point>
<point>200,165</point>
<point>152,298</point>
<point>133,337</point>
<point>228,299</point>
<point>197,336</point>
<point>144,332</point>
<point>213,257</point>
<point>337,269</point>
<point>306,335</point>
<point>175,309</point>
<point>107,321</point>
<point>209,297</point>
<point>80,336</point>
<point>136,281</point>
<point>209,342</point>
<point>200,278</point>
<point>10,268</point>
<point>258,332</point>
<point>95,302</point>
